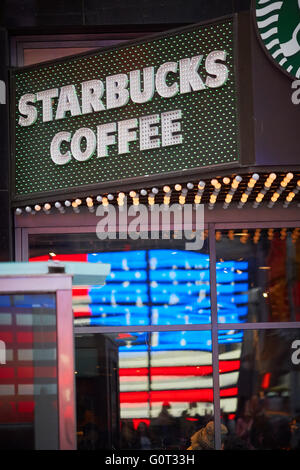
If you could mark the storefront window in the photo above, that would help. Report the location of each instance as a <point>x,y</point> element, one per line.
<point>143,390</point>
<point>258,276</point>
<point>162,383</point>
<point>152,282</point>
<point>28,372</point>
<point>265,413</point>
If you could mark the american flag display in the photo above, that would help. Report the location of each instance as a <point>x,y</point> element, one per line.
<point>166,287</point>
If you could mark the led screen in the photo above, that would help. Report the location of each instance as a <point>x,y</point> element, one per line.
<point>166,287</point>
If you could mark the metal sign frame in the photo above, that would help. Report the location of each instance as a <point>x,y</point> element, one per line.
<point>61,286</point>
<point>243,118</point>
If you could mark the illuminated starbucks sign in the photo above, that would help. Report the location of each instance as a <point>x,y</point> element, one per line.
<point>161,106</point>
<point>278,25</point>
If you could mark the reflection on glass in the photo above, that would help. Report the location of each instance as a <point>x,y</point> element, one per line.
<point>28,372</point>
<point>258,276</point>
<point>158,287</point>
<point>263,411</point>
<point>143,390</point>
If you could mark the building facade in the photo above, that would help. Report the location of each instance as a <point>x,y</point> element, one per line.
<point>164,143</point>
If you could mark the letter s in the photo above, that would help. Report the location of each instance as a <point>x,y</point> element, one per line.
<point>27,110</point>
<point>218,70</point>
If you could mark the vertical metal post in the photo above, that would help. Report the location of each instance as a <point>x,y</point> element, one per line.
<point>25,244</point>
<point>18,244</point>
<point>66,372</point>
<point>214,332</point>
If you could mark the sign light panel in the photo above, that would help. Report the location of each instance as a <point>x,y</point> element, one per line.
<point>158,107</point>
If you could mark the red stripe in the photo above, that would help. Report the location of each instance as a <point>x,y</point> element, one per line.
<point>45,337</point>
<point>225,366</point>
<point>25,337</point>
<point>40,258</point>
<point>26,407</point>
<point>6,372</point>
<point>82,314</point>
<point>73,257</point>
<point>6,337</point>
<point>25,372</point>
<point>80,292</point>
<point>137,421</point>
<point>175,395</point>
<point>36,372</point>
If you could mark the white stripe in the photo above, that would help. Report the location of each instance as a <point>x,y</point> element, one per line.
<point>265,23</point>
<point>290,68</point>
<point>5,318</point>
<point>165,358</point>
<point>261,2</point>
<point>141,410</point>
<point>24,319</point>
<point>27,389</point>
<point>35,389</point>
<point>9,355</point>
<point>227,356</point>
<point>25,354</point>
<point>27,319</point>
<point>276,53</point>
<point>228,405</point>
<point>283,61</point>
<point>7,389</point>
<point>38,354</point>
<point>269,33</point>
<point>175,382</point>
<point>266,10</point>
<point>272,43</point>
<point>298,73</point>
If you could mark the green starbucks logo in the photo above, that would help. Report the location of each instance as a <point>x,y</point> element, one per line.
<point>278,24</point>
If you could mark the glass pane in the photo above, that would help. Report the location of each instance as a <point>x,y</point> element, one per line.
<point>143,390</point>
<point>263,412</point>
<point>152,282</point>
<point>258,275</point>
<point>28,372</point>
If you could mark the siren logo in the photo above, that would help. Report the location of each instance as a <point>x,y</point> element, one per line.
<point>2,353</point>
<point>278,24</point>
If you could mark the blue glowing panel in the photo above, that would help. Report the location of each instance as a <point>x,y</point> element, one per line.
<point>163,287</point>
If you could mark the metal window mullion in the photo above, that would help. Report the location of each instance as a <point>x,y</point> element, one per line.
<point>214,332</point>
<point>25,245</point>
<point>81,330</point>
<point>258,326</point>
<point>253,225</point>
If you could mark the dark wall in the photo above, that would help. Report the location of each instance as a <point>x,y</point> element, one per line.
<point>21,17</point>
<point>276,118</point>
<point>93,13</point>
<point>5,225</point>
